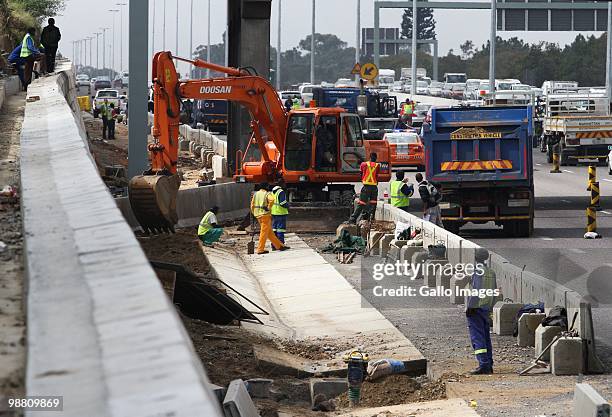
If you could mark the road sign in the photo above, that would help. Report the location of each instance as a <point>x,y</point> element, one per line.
<point>369,71</point>
<point>356,69</point>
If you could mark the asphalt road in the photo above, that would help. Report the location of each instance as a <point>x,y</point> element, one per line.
<point>557,249</point>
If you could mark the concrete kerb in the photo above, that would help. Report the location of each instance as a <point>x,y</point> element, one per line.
<point>8,87</point>
<point>128,347</point>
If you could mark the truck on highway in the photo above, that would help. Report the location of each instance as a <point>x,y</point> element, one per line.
<point>212,114</point>
<point>386,78</point>
<point>406,73</point>
<point>455,77</point>
<point>481,157</point>
<point>580,124</point>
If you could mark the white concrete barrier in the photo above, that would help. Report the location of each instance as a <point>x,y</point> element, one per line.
<point>8,87</point>
<point>101,330</point>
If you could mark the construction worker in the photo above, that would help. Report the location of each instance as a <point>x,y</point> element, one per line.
<point>406,112</point>
<point>280,210</point>
<point>401,191</point>
<point>431,196</point>
<point>261,204</point>
<point>50,38</point>
<point>104,111</point>
<point>478,310</point>
<point>369,190</point>
<point>15,59</point>
<point>29,53</point>
<point>296,103</point>
<point>209,231</point>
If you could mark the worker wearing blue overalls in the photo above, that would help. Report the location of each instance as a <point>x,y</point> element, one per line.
<point>279,211</point>
<point>477,313</point>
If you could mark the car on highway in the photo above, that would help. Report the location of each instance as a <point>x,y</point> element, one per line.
<point>102,82</point>
<point>397,87</point>
<point>435,89</point>
<point>421,87</point>
<point>109,95</point>
<point>284,95</point>
<point>377,127</point>
<point>306,93</point>
<point>483,89</point>
<point>344,82</point>
<point>471,88</point>
<point>457,91</point>
<point>82,80</point>
<point>121,80</point>
<point>406,149</point>
<point>420,110</point>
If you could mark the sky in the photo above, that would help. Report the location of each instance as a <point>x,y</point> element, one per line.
<point>82,18</point>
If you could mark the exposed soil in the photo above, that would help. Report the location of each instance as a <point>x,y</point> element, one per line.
<point>12,315</point>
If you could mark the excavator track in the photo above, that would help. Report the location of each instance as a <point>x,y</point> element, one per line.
<point>153,202</point>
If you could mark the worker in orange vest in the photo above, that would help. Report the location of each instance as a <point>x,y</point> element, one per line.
<point>369,191</point>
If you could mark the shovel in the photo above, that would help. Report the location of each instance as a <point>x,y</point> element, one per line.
<point>251,244</point>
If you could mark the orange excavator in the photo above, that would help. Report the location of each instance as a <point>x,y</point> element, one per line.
<point>317,151</point>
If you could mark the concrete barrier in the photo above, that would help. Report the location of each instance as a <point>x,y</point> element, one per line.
<point>589,403</point>
<point>101,331</point>
<point>8,87</point>
<point>515,284</point>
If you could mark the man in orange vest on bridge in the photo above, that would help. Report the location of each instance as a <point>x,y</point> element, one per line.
<point>369,192</point>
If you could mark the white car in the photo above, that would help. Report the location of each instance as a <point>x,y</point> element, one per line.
<point>109,95</point>
<point>82,80</point>
<point>397,87</point>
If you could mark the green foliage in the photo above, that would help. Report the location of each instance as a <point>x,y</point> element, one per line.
<point>426,24</point>
<point>41,9</point>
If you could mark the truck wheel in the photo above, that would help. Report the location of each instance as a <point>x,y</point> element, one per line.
<point>452,227</point>
<point>335,197</point>
<point>523,228</point>
<point>347,198</point>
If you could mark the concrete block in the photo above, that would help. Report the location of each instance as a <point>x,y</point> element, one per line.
<point>398,243</point>
<point>566,356</point>
<point>329,387</point>
<point>259,387</point>
<point>184,145</point>
<point>458,281</point>
<point>353,229</point>
<point>383,245</point>
<point>419,258</point>
<point>527,325</point>
<point>430,269</point>
<point>393,254</point>
<point>407,252</point>
<point>374,239</point>
<point>443,277</point>
<point>219,166</point>
<point>237,402</point>
<point>588,402</point>
<point>192,146</point>
<point>504,315</point>
<point>218,391</point>
<point>197,150</point>
<point>203,156</point>
<point>543,336</point>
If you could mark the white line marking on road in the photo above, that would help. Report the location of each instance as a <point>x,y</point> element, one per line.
<point>547,238</point>
<point>605,212</point>
<point>566,201</point>
<point>605,179</point>
<point>567,170</point>
<point>575,250</point>
<point>538,164</point>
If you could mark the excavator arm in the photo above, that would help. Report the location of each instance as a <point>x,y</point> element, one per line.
<point>153,194</point>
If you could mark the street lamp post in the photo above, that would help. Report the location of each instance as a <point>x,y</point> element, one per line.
<point>103,47</point>
<point>153,30</point>
<point>97,49</point>
<point>278,48</point>
<point>492,48</point>
<point>90,38</point>
<point>113,11</point>
<point>177,30</point>
<point>312,46</point>
<point>358,39</point>
<point>85,52</point>
<point>191,37</point>
<point>164,28</point>
<point>208,41</point>
<point>121,36</point>
<point>415,29</point>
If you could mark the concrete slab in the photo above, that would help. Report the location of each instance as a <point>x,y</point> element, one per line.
<point>566,356</point>
<point>504,315</point>
<point>308,299</point>
<point>237,402</point>
<point>328,387</point>
<point>527,325</point>
<point>588,402</point>
<point>543,336</point>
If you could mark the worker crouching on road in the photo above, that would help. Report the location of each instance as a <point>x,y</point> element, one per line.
<point>369,191</point>
<point>209,231</point>
<point>280,210</point>
<point>261,203</point>
<point>401,191</point>
<point>477,313</point>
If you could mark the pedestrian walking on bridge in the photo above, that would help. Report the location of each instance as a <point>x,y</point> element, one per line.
<point>50,38</point>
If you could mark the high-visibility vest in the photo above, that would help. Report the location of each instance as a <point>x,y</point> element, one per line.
<point>25,50</point>
<point>488,283</point>
<point>277,208</point>
<point>369,177</point>
<point>398,199</point>
<point>205,225</point>
<point>260,203</point>
<point>296,104</point>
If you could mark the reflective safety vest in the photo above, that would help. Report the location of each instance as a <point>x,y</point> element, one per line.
<point>296,104</point>
<point>260,203</point>
<point>398,199</point>
<point>489,282</point>
<point>205,225</point>
<point>369,176</point>
<point>25,50</point>
<point>277,208</point>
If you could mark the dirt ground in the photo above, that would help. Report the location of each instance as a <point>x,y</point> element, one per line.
<point>12,315</point>
<point>115,153</point>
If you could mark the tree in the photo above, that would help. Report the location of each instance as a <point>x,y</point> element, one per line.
<point>467,49</point>
<point>41,9</point>
<point>426,24</point>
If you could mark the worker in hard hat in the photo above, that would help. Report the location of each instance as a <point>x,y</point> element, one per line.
<point>369,190</point>
<point>280,210</point>
<point>209,231</point>
<point>261,205</point>
<point>478,309</point>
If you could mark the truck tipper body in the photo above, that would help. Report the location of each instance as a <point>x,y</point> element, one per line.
<point>482,159</point>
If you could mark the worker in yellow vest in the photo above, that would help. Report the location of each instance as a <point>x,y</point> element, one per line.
<point>261,204</point>
<point>29,53</point>
<point>369,190</point>
<point>280,210</point>
<point>209,231</point>
<point>401,191</point>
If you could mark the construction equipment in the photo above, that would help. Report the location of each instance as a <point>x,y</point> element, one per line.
<point>317,151</point>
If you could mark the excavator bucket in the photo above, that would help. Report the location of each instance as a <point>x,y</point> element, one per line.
<point>153,201</point>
